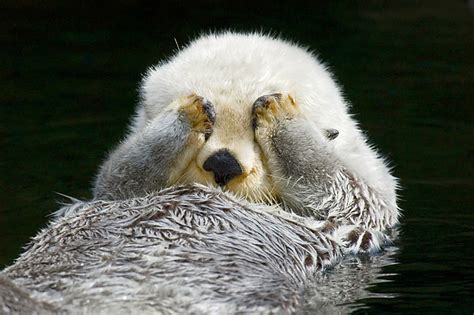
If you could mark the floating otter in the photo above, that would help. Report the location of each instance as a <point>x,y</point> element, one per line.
<point>282,184</point>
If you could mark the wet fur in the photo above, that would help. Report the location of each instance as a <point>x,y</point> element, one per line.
<point>178,251</point>
<point>308,195</point>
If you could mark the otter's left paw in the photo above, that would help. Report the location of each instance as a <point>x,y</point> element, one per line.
<point>269,110</point>
<point>199,113</point>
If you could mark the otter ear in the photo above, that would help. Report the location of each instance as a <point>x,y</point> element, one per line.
<point>331,134</point>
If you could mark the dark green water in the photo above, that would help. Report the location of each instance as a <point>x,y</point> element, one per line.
<point>68,78</point>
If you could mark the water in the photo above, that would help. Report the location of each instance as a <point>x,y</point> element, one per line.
<point>68,86</point>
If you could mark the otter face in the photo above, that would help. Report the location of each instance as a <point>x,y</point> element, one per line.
<point>228,156</point>
<point>228,144</point>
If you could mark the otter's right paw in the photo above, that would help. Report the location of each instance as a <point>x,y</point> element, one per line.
<point>268,110</point>
<point>270,113</point>
<point>199,112</point>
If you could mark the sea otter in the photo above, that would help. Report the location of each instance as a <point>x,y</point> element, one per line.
<point>242,176</point>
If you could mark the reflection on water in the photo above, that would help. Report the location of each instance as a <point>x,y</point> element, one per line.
<point>344,288</point>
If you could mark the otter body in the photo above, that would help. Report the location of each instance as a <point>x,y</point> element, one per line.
<point>183,250</point>
<point>267,179</point>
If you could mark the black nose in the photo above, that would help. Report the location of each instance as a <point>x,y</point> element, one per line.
<point>224,166</point>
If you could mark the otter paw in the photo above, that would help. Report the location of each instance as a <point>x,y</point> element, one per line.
<point>268,110</point>
<point>358,240</point>
<point>199,112</point>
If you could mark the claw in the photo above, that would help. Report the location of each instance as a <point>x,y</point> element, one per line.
<point>208,109</point>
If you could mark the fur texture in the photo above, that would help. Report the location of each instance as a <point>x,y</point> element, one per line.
<point>309,190</point>
<point>233,70</point>
<point>184,250</point>
<point>274,107</point>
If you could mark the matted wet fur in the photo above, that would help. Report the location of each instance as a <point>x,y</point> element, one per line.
<point>172,252</point>
<point>290,186</point>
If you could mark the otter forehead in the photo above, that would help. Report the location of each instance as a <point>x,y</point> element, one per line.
<point>232,112</point>
<point>233,123</point>
<point>232,97</point>
<point>239,67</point>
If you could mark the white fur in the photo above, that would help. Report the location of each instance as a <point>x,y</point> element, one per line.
<point>196,249</point>
<point>236,69</point>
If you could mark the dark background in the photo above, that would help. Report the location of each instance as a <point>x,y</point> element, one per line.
<point>69,74</point>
